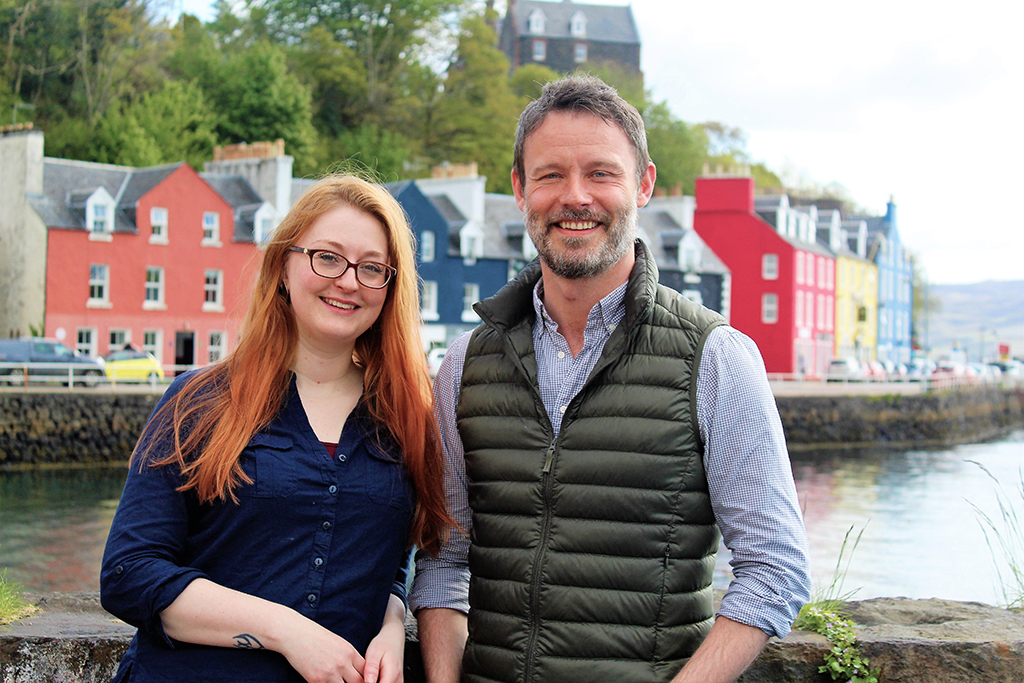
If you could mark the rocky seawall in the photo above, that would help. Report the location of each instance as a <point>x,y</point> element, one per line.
<point>72,640</point>
<point>39,428</point>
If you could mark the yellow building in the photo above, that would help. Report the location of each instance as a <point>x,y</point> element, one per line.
<point>856,297</point>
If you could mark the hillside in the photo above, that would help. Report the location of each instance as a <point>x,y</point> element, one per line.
<point>979,313</point>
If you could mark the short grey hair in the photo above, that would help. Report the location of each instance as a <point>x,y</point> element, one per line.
<point>587,94</point>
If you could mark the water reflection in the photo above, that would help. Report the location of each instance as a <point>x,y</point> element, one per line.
<point>921,536</point>
<point>53,524</point>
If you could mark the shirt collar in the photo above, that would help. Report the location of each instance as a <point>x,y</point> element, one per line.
<point>605,315</point>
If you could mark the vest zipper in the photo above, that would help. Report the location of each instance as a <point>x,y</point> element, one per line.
<point>531,644</point>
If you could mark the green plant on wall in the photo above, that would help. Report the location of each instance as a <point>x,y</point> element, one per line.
<point>12,602</point>
<point>824,616</point>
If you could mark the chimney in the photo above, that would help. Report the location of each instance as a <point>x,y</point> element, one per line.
<point>264,164</point>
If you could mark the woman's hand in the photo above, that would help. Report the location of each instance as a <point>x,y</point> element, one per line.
<point>385,655</point>
<point>320,656</point>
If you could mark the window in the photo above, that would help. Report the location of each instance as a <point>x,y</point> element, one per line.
<point>579,52</point>
<point>100,218</point>
<point>211,228</point>
<point>769,308</point>
<point>821,311</point>
<point>770,266</point>
<point>540,50</point>
<point>821,272</point>
<point>154,299</point>
<point>213,291</point>
<point>266,226</point>
<point>578,25</point>
<point>798,309</point>
<point>690,260</point>
<point>99,286</point>
<point>158,225</point>
<point>119,338</point>
<point>808,309</point>
<point>830,306</point>
<point>799,267</point>
<point>536,21</point>
<point>427,246</point>
<point>85,341</point>
<point>151,343</point>
<point>428,301</point>
<point>810,270</point>
<point>470,295</point>
<point>215,349</point>
<point>471,243</point>
<point>830,266</point>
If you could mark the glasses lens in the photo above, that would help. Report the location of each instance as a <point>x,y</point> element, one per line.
<point>328,264</point>
<point>372,274</point>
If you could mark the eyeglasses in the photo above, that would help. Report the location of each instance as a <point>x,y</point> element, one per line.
<point>332,266</point>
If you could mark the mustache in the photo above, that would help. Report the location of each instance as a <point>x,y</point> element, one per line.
<point>585,215</point>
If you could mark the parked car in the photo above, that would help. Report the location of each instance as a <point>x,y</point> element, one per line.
<point>434,358</point>
<point>875,371</point>
<point>132,365</point>
<point>45,358</point>
<point>844,369</point>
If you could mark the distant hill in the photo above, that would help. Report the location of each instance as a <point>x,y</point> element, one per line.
<point>982,313</point>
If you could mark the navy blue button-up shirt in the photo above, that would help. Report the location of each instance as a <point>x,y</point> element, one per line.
<point>325,536</point>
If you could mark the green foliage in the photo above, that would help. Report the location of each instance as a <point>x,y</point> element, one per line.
<point>674,147</point>
<point>528,80</point>
<point>476,118</point>
<point>12,603</point>
<point>381,151</point>
<point>1005,537</point>
<point>824,616</point>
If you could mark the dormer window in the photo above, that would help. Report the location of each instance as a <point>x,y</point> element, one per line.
<point>536,21</point>
<point>99,215</point>
<point>578,25</point>
<point>471,243</point>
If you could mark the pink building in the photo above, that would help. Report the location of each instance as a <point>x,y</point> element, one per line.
<point>783,281</point>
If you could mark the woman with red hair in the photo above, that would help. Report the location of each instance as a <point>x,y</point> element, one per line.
<point>266,523</point>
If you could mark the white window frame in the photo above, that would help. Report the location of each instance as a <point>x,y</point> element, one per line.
<point>799,267</point>
<point>830,313</point>
<point>155,346</point>
<point>770,266</point>
<point>539,50</point>
<point>85,340</point>
<point>211,229</point>
<point>213,290</point>
<point>830,268</point>
<point>578,25</point>
<point>470,295</point>
<point>216,347</point>
<point>821,273</point>
<point>153,294</point>
<point>798,309</point>
<point>159,223</point>
<point>579,52</point>
<point>821,312</point>
<point>99,283</point>
<point>536,21</point>
<point>809,262</point>
<point>428,246</point>
<point>769,308</point>
<point>428,301</point>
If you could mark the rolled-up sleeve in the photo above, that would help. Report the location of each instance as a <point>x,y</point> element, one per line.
<point>141,573</point>
<point>751,484</point>
<point>443,581</point>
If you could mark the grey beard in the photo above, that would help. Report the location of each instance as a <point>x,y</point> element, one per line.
<point>573,266</point>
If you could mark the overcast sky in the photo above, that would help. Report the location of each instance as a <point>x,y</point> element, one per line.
<point>918,101</point>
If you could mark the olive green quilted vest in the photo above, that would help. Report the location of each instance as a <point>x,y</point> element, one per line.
<point>593,554</point>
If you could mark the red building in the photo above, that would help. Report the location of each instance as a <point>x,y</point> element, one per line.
<point>783,281</point>
<point>150,257</point>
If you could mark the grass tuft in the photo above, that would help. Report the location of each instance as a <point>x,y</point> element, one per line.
<point>1005,536</point>
<point>12,602</point>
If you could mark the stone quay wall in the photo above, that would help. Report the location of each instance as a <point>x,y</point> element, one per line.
<point>48,427</point>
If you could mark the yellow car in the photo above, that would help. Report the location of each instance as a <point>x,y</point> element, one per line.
<point>130,365</point>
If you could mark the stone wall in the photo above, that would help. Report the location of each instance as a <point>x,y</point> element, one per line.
<point>72,640</point>
<point>98,426</point>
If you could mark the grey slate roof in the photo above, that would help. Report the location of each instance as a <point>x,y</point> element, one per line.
<point>605,23</point>
<point>239,193</point>
<point>504,231</point>
<point>455,219</point>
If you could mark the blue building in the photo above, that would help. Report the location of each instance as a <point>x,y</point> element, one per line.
<point>895,286</point>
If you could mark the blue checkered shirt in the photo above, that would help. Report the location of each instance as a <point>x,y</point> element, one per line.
<point>747,465</point>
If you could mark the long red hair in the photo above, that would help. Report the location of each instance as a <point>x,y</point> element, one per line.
<point>218,410</point>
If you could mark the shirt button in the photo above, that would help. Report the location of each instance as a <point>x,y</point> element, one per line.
<point>119,569</point>
<point>561,354</point>
<point>561,409</point>
<point>311,598</point>
<point>326,526</point>
<point>611,328</point>
<point>332,488</point>
<point>342,457</point>
<point>318,561</point>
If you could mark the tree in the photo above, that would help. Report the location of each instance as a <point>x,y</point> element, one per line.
<point>529,80</point>
<point>335,76</point>
<point>676,150</point>
<point>168,125</point>
<point>476,118</point>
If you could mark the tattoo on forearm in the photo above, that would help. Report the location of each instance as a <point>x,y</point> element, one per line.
<point>247,641</point>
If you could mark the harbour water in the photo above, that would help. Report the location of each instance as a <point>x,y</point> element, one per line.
<point>921,535</point>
